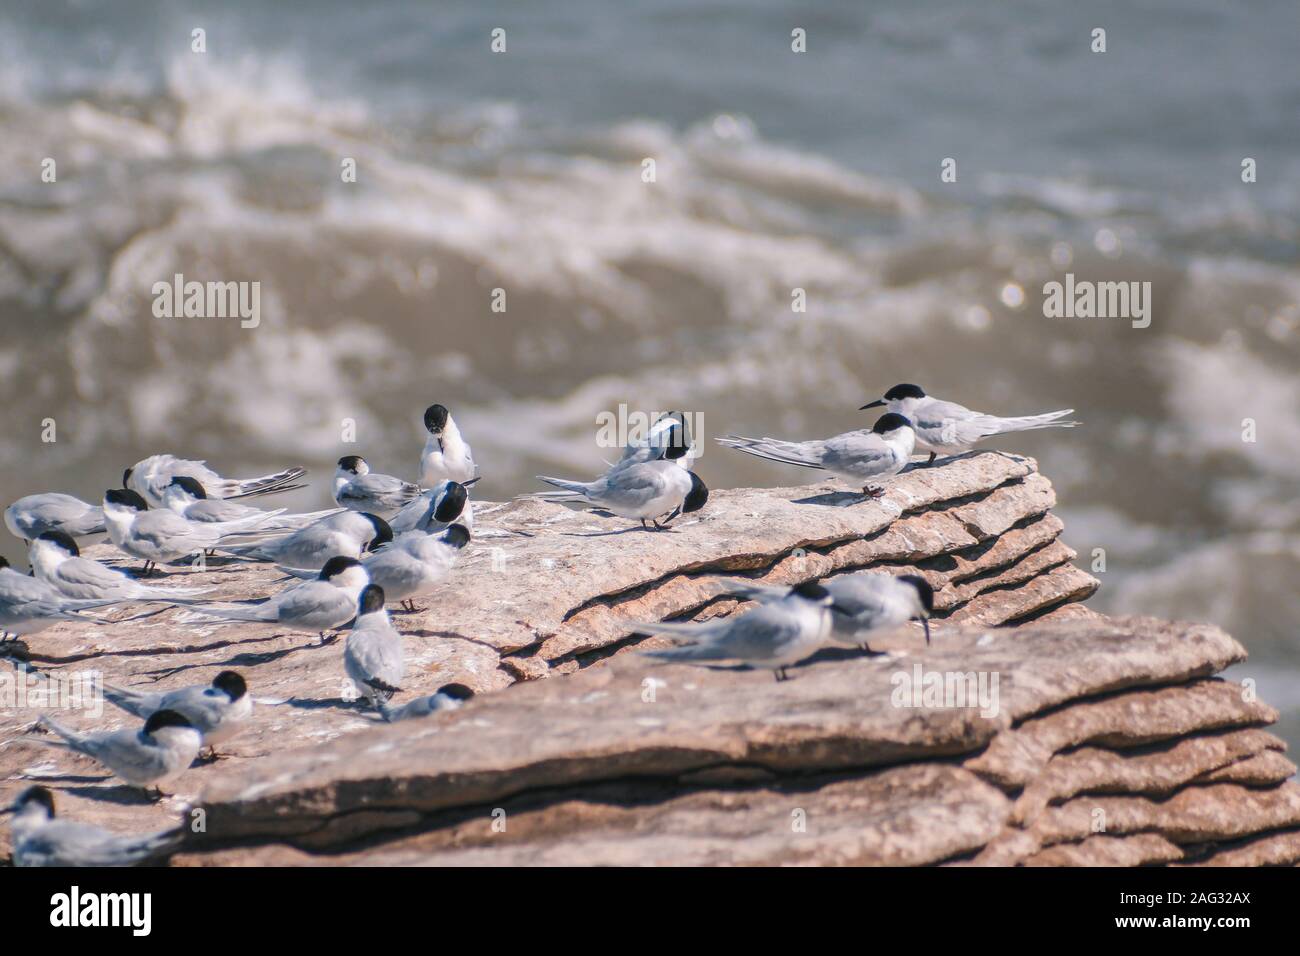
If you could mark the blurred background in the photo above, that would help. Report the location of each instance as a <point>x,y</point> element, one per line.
<point>775,170</point>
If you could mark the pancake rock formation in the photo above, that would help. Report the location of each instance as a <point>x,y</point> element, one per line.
<point>1033,731</point>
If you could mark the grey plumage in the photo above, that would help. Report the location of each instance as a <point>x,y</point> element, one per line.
<point>447,697</point>
<point>864,602</point>
<point>217,710</point>
<point>151,476</point>
<point>162,749</point>
<point>643,490</point>
<point>669,437</point>
<point>56,561</point>
<point>858,456</point>
<point>358,488</point>
<point>948,427</point>
<point>28,605</point>
<point>346,533</point>
<point>29,517</point>
<point>372,656</point>
<point>773,635</point>
<point>160,535</point>
<point>40,838</point>
<point>189,499</point>
<point>323,604</point>
<point>436,510</point>
<point>415,563</point>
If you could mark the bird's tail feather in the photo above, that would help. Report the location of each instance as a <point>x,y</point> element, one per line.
<point>753,590</point>
<point>569,489</point>
<point>698,630</point>
<point>301,573</point>
<point>269,484</point>
<point>693,652</point>
<point>803,454</point>
<point>1029,422</point>
<point>232,614</point>
<point>128,700</point>
<point>296,522</point>
<point>70,737</point>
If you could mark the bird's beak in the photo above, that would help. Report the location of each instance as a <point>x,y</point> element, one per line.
<point>878,403</point>
<point>925,623</point>
<point>4,810</point>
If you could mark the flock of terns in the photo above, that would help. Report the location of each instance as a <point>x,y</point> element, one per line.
<point>389,541</point>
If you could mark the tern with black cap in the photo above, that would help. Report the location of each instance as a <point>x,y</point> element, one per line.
<point>866,603</point>
<point>856,456</point>
<point>773,635</point>
<point>162,749</point>
<point>357,488</point>
<point>151,476</point>
<point>372,656</point>
<point>56,559</point>
<point>325,603</point>
<point>217,710</point>
<point>160,535</point>
<point>188,498</point>
<point>29,605</point>
<point>346,533</point>
<point>951,428</point>
<point>646,491</point>
<point>446,455</point>
<point>42,838</point>
<point>446,697</point>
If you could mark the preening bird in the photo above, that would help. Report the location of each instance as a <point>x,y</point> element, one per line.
<point>28,517</point>
<point>151,476</point>
<point>646,491</point>
<point>446,455</point>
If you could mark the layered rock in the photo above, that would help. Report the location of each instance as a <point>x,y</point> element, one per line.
<point>1085,722</point>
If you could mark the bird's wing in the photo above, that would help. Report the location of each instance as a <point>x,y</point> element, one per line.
<point>219,510</point>
<point>383,485</point>
<point>133,701</point>
<point>954,423</point>
<point>764,593</point>
<point>634,485</point>
<point>204,706</point>
<point>311,598</point>
<point>761,633</point>
<point>163,529</point>
<point>859,594</point>
<point>83,572</point>
<point>807,454</point>
<point>857,450</point>
<point>379,655</point>
<point>68,843</point>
